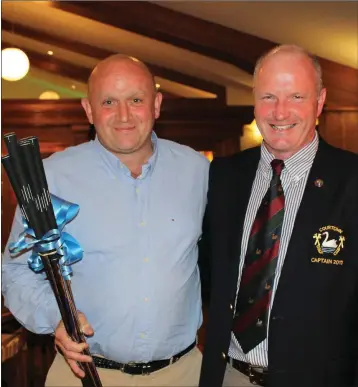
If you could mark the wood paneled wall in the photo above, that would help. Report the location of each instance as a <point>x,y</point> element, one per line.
<point>201,124</point>
<point>339,127</point>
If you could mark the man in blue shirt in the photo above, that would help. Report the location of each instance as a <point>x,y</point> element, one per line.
<point>142,201</point>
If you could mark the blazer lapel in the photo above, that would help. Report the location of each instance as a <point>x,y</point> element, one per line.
<point>242,180</point>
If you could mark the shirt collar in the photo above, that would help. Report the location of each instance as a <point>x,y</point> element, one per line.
<point>296,165</point>
<point>116,165</point>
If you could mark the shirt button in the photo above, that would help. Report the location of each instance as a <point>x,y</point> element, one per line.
<point>146,299</point>
<point>146,259</point>
<point>142,223</point>
<point>223,355</point>
<point>142,335</point>
<point>137,190</point>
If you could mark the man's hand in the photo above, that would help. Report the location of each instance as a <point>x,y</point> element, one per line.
<point>72,350</point>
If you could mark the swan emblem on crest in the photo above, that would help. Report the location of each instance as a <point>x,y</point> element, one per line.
<point>329,240</point>
<point>328,246</point>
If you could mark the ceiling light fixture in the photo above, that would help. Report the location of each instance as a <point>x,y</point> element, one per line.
<point>50,52</point>
<point>15,64</point>
<point>49,94</point>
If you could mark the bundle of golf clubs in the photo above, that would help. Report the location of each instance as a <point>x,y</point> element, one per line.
<point>25,170</point>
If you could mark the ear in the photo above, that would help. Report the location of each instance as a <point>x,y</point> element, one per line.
<point>157,104</point>
<point>87,108</point>
<point>321,100</point>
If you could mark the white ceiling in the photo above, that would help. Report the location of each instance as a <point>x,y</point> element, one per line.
<point>326,28</point>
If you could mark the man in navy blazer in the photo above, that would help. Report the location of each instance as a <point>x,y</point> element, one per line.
<point>310,337</point>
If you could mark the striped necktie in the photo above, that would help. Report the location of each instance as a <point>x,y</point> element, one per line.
<point>253,300</point>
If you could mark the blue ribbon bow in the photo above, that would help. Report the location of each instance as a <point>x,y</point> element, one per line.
<point>64,244</point>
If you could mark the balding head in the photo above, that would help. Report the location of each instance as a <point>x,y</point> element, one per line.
<point>123,105</point>
<point>115,62</point>
<point>297,51</point>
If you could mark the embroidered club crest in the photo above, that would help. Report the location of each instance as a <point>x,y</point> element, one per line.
<point>329,240</point>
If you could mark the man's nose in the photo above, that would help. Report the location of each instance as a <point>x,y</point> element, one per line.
<point>123,112</point>
<point>281,110</point>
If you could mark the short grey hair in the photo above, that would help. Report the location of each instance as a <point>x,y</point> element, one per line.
<point>294,49</point>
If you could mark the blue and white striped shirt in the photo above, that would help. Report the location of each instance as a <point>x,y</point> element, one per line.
<point>138,282</point>
<point>293,178</point>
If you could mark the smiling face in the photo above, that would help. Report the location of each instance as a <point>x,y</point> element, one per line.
<point>123,105</point>
<point>287,102</point>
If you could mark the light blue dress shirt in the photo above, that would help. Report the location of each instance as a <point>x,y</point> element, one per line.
<point>138,282</point>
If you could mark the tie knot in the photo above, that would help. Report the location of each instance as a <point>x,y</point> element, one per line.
<point>277,166</point>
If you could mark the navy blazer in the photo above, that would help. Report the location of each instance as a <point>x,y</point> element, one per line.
<point>313,330</point>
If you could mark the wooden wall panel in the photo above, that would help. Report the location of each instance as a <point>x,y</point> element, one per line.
<point>228,146</point>
<point>197,123</point>
<point>339,127</point>
<point>8,204</point>
<point>201,124</point>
